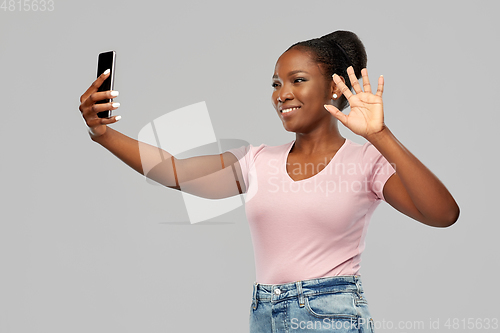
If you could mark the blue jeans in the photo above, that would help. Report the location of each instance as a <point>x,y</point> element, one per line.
<point>332,304</point>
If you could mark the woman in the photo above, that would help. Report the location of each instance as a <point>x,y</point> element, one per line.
<point>308,202</point>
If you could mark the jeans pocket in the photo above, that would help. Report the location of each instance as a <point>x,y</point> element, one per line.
<point>332,305</point>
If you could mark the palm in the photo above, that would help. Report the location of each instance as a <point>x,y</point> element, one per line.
<point>366,116</point>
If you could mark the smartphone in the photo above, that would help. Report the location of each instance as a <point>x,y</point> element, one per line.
<point>106,60</point>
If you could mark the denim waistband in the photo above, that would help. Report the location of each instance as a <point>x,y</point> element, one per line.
<point>278,292</point>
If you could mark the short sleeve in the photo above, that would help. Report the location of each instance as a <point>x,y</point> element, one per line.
<point>381,171</point>
<point>243,155</point>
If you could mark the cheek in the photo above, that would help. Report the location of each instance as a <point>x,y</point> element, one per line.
<point>314,94</point>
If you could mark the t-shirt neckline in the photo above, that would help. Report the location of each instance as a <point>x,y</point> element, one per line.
<point>323,170</point>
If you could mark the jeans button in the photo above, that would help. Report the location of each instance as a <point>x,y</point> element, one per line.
<point>277,291</point>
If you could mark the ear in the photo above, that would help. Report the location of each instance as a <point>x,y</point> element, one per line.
<point>335,90</point>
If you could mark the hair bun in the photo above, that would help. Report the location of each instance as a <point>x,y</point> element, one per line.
<point>351,46</point>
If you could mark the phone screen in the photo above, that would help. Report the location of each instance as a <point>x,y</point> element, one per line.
<point>106,60</point>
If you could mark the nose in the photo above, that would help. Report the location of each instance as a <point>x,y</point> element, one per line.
<point>284,94</point>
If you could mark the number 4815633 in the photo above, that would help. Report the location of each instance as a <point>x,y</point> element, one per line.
<point>27,5</point>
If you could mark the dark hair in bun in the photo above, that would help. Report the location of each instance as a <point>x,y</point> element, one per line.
<point>335,52</point>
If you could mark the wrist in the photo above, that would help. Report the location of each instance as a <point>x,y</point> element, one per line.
<point>378,136</point>
<point>93,137</point>
<point>92,134</point>
<point>97,138</point>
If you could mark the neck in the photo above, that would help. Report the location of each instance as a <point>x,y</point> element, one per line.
<point>319,141</point>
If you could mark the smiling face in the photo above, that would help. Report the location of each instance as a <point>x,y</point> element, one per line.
<point>300,90</point>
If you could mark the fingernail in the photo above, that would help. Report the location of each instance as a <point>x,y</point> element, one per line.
<point>114,93</point>
<point>106,71</point>
<point>115,105</point>
<point>326,107</point>
<point>118,118</point>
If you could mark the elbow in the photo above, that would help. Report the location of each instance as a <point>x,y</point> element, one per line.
<point>448,219</point>
<point>453,215</point>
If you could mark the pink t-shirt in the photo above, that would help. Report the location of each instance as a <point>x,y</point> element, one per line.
<point>314,227</point>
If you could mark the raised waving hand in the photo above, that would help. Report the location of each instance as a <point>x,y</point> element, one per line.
<point>366,116</point>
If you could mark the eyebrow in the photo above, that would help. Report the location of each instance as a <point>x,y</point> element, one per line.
<point>292,73</point>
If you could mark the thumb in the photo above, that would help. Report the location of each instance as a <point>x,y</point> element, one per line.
<point>336,113</point>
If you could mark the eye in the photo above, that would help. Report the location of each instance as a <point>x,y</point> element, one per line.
<point>299,79</point>
<point>275,84</point>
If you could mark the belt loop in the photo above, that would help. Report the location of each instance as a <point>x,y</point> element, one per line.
<point>298,284</point>
<point>254,297</point>
<point>359,289</point>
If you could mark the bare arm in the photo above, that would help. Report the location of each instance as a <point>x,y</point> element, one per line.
<point>123,147</point>
<point>413,190</point>
<point>211,176</point>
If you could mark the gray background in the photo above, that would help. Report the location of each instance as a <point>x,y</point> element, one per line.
<point>87,245</point>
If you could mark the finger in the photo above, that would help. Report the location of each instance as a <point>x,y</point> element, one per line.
<point>96,97</point>
<point>343,88</point>
<point>95,85</point>
<point>366,82</point>
<point>354,80</point>
<point>101,95</point>
<point>111,120</point>
<point>102,121</point>
<point>336,113</point>
<point>96,108</point>
<point>91,111</point>
<point>380,88</point>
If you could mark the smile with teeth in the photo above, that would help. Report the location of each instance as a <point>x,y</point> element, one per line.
<point>288,110</point>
